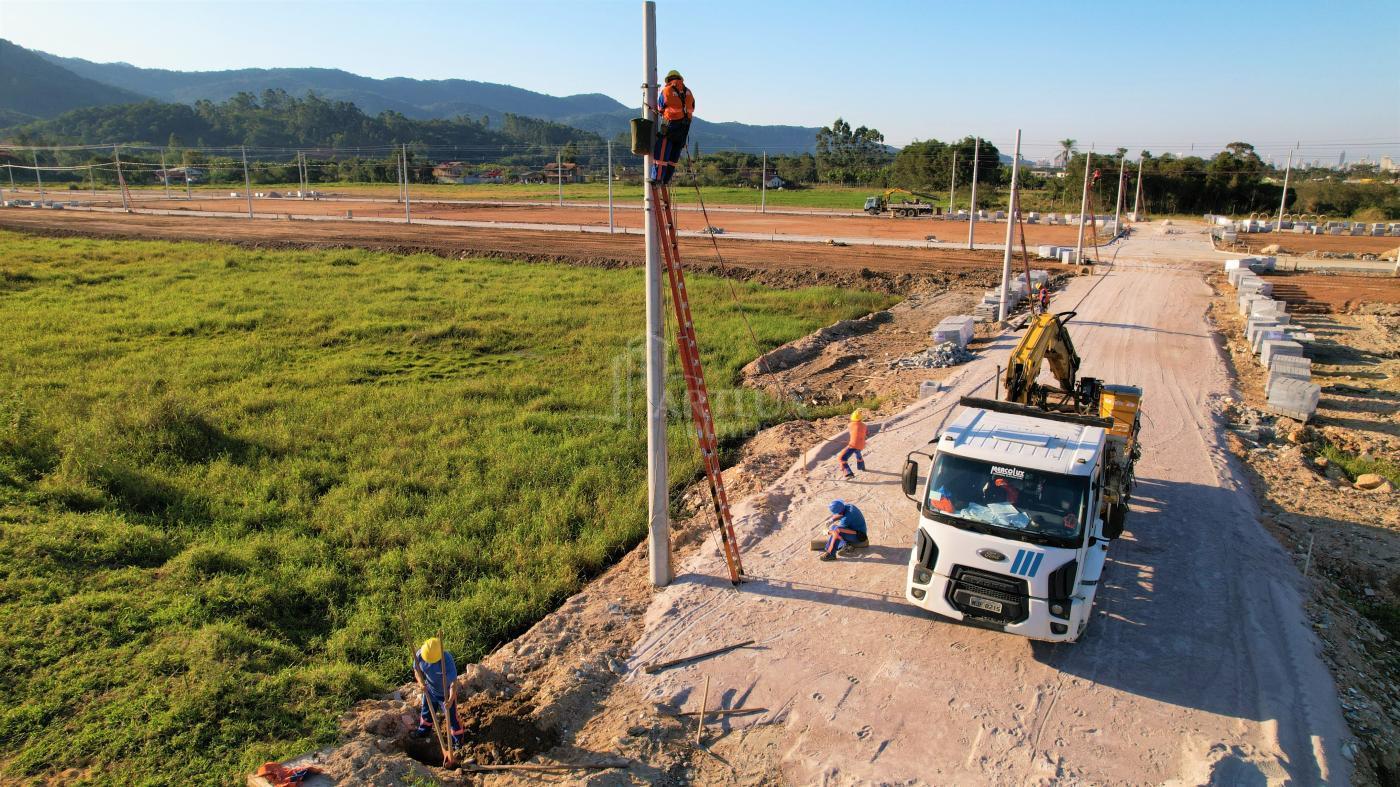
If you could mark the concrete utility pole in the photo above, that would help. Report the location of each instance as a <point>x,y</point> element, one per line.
<point>38,179</point>
<point>92,181</point>
<point>121,179</point>
<point>247,182</point>
<point>164,175</point>
<point>302,174</point>
<point>1005,307</point>
<point>407,209</point>
<point>658,490</point>
<point>1118,203</point>
<point>610,193</point>
<point>972,209</point>
<point>10,168</point>
<point>952,183</point>
<point>559,174</point>
<point>1137,197</point>
<point>1083,205</point>
<point>1284,199</point>
<point>763,186</point>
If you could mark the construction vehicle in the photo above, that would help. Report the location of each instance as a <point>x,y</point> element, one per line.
<point>877,206</point>
<point>1024,495</point>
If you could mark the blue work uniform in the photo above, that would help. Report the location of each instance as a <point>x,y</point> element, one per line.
<point>852,519</point>
<point>435,682</point>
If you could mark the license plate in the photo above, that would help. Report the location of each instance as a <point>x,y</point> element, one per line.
<point>984,603</point>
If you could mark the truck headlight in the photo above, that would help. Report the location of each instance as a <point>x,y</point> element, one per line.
<point>1058,610</point>
<point>917,593</point>
<point>922,575</point>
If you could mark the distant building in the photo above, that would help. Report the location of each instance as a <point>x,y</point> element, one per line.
<point>1388,164</point>
<point>457,172</point>
<point>775,182</point>
<point>567,172</point>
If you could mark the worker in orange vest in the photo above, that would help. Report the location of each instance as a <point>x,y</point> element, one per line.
<point>677,106</point>
<point>855,444</point>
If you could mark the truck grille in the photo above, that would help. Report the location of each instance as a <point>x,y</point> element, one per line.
<point>972,589</point>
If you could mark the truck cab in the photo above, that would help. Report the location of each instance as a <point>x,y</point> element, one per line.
<point>1011,534</point>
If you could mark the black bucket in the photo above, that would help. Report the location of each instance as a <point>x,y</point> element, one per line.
<point>641,136</point>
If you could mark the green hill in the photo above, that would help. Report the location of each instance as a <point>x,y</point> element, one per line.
<point>31,86</point>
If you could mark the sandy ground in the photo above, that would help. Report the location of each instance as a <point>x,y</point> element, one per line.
<point>1199,667</point>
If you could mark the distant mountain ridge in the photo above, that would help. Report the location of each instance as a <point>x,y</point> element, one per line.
<point>414,98</point>
<point>31,86</point>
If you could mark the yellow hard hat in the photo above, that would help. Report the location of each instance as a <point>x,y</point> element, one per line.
<point>431,650</point>
<point>673,74</point>
<point>856,415</point>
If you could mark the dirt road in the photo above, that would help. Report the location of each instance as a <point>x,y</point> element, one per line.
<point>891,269</point>
<point>1198,667</point>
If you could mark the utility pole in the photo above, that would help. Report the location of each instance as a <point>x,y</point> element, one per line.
<point>1118,203</point>
<point>763,186</point>
<point>247,182</point>
<point>39,179</point>
<point>1284,199</point>
<point>92,181</point>
<point>10,168</point>
<point>972,211</point>
<point>164,175</point>
<point>559,173</point>
<point>1005,308</point>
<point>658,489</point>
<point>610,193</point>
<point>407,210</point>
<point>301,174</point>
<point>1137,197</point>
<point>121,179</point>
<point>1083,205</point>
<point>952,183</point>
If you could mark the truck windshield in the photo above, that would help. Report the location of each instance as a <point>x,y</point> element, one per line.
<point>1008,498</point>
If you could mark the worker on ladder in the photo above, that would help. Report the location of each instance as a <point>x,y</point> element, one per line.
<point>677,106</point>
<point>435,670</point>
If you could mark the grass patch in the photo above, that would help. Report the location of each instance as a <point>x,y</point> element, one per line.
<point>1354,465</point>
<point>235,485</point>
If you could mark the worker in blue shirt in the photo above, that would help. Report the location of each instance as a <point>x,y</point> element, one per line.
<point>436,673</point>
<point>847,529</point>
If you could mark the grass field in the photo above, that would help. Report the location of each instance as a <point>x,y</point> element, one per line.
<point>236,485</point>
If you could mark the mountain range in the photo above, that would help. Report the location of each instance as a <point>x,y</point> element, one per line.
<point>37,85</point>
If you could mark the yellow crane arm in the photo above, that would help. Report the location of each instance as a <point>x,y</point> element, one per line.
<point>1046,339</point>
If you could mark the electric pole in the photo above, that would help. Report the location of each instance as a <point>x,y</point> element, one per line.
<point>972,210</point>
<point>1083,205</point>
<point>1005,307</point>
<point>658,488</point>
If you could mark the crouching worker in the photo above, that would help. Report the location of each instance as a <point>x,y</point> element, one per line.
<point>436,673</point>
<point>847,529</point>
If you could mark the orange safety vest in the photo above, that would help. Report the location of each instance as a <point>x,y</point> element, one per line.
<point>680,102</point>
<point>858,432</point>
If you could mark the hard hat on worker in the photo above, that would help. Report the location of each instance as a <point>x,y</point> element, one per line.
<point>857,415</point>
<point>837,507</point>
<point>673,74</point>
<point>431,650</point>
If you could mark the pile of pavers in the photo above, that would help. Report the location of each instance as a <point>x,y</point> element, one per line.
<point>1279,345</point>
<point>956,329</point>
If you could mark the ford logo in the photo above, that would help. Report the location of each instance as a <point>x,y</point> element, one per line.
<point>992,555</point>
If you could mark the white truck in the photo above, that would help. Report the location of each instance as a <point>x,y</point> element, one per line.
<point>1014,520</point>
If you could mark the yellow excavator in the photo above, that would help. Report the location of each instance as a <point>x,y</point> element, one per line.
<point>1047,341</point>
<point>876,206</point>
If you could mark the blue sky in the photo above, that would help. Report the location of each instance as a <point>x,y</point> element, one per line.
<point>1161,76</point>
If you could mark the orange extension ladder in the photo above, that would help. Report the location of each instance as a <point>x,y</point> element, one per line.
<point>689,350</point>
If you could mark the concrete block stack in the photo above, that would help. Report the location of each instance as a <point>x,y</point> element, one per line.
<point>956,329</point>
<point>1277,342</point>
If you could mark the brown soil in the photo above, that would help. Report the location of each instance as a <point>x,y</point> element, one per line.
<point>1289,243</point>
<point>628,216</point>
<point>1346,540</point>
<point>893,270</point>
<point>1318,292</point>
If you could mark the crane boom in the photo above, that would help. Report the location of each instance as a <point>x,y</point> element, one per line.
<point>1047,340</point>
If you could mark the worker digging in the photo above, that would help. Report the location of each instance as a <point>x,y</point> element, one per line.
<point>677,106</point>
<point>435,671</point>
<point>855,445</point>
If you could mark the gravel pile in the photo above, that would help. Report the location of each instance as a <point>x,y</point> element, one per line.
<point>935,357</point>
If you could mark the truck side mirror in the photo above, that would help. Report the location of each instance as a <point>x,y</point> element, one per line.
<point>909,479</point>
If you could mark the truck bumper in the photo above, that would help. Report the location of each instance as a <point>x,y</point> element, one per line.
<point>1038,624</point>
